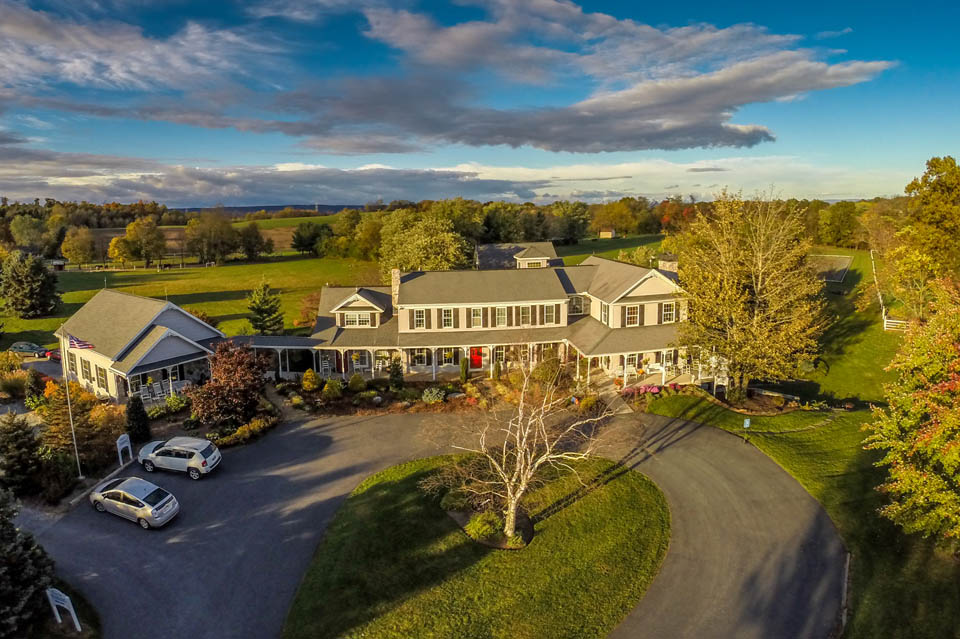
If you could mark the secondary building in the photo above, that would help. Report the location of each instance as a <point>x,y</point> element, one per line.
<point>120,344</point>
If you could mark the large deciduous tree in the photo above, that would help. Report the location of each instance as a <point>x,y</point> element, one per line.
<point>26,571</point>
<point>412,243</point>
<point>27,286</point>
<point>252,242</point>
<point>145,240</point>
<point>79,246</point>
<point>233,392</point>
<point>754,301</point>
<point>570,220</point>
<point>934,217</point>
<point>266,318</point>
<point>95,424</point>
<point>211,237</point>
<point>919,430</point>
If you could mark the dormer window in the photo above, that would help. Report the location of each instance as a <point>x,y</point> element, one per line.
<point>446,318</point>
<point>420,318</point>
<point>524,316</point>
<point>548,314</point>
<point>633,316</point>
<point>356,319</point>
<point>604,313</point>
<point>576,305</point>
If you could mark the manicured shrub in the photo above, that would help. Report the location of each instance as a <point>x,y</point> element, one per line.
<point>248,432</point>
<point>464,370</point>
<point>297,401</point>
<point>35,402</point>
<point>157,412</point>
<point>14,384</point>
<point>35,384</point>
<point>409,395</point>
<point>548,368</point>
<point>589,404</point>
<point>497,370</point>
<point>433,395</point>
<point>9,362</point>
<point>455,500</point>
<point>191,423</point>
<point>484,525</point>
<point>311,381</point>
<point>176,403</point>
<point>357,383</point>
<point>333,389</point>
<point>396,374</point>
<point>138,423</point>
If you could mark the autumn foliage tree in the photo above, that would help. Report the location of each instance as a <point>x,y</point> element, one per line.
<point>96,424</point>
<point>919,430</point>
<point>754,301</point>
<point>233,392</point>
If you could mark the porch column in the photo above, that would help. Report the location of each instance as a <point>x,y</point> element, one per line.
<point>588,370</point>
<point>624,355</point>
<point>663,367</point>
<point>170,378</point>
<point>279,362</point>
<point>373,362</point>
<point>343,363</point>
<point>433,360</point>
<point>490,350</point>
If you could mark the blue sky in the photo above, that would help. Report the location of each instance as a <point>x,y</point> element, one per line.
<point>345,101</point>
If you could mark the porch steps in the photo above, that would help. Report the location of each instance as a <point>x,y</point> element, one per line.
<point>612,398</point>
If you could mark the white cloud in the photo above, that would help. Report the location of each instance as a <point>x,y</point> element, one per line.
<point>824,35</point>
<point>40,47</point>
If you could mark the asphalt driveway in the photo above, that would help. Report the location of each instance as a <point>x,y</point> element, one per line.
<point>751,555</point>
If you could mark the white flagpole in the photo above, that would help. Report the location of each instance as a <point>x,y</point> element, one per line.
<point>66,382</point>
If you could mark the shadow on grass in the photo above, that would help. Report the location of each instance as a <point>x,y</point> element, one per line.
<point>387,543</point>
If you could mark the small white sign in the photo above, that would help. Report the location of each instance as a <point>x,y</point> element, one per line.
<point>59,599</point>
<point>746,422</point>
<point>123,441</point>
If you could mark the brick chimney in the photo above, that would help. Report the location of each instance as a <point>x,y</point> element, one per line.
<point>395,287</point>
<point>667,262</point>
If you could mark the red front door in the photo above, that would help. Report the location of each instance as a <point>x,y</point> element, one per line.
<point>476,357</point>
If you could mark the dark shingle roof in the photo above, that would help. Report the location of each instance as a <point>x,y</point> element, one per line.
<point>494,256</point>
<point>612,279</point>
<point>481,287</point>
<point>111,320</point>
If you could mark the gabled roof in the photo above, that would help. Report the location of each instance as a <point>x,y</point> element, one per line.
<point>362,293</point>
<point>505,255</point>
<point>112,319</point>
<point>147,342</point>
<point>612,279</point>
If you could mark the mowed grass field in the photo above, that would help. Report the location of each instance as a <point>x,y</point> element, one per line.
<point>855,348</point>
<point>220,290</point>
<point>393,565</point>
<point>573,254</point>
<point>902,587</point>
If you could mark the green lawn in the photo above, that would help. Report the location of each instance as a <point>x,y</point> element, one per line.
<point>394,565</point>
<point>856,349</point>
<point>219,290</point>
<point>575,253</point>
<point>901,586</point>
<point>285,222</point>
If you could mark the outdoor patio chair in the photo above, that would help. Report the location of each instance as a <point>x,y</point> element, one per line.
<point>158,390</point>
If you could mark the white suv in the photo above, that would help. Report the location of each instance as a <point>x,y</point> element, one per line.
<point>190,455</point>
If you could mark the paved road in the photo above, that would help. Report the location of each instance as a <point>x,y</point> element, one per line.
<point>751,554</point>
<point>229,564</point>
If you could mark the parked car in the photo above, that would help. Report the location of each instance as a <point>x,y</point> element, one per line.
<point>28,348</point>
<point>190,455</point>
<point>54,354</point>
<point>137,500</point>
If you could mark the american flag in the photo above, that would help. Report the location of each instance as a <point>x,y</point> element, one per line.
<point>78,343</point>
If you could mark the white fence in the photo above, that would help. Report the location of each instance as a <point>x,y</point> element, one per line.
<point>888,323</point>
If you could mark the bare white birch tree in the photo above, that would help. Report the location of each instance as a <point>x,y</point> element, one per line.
<point>508,449</point>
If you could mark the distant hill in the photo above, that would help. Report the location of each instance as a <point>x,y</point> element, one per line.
<point>271,208</point>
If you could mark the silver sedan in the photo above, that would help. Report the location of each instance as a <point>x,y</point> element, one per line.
<point>135,499</point>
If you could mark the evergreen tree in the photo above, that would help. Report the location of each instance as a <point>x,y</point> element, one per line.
<point>19,455</point>
<point>138,424</point>
<point>29,288</point>
<point>26,571</point>
<point>264,306</point>
<point>252,242</point>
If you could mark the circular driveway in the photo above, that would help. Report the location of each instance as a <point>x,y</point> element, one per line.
<point>751,555</point>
